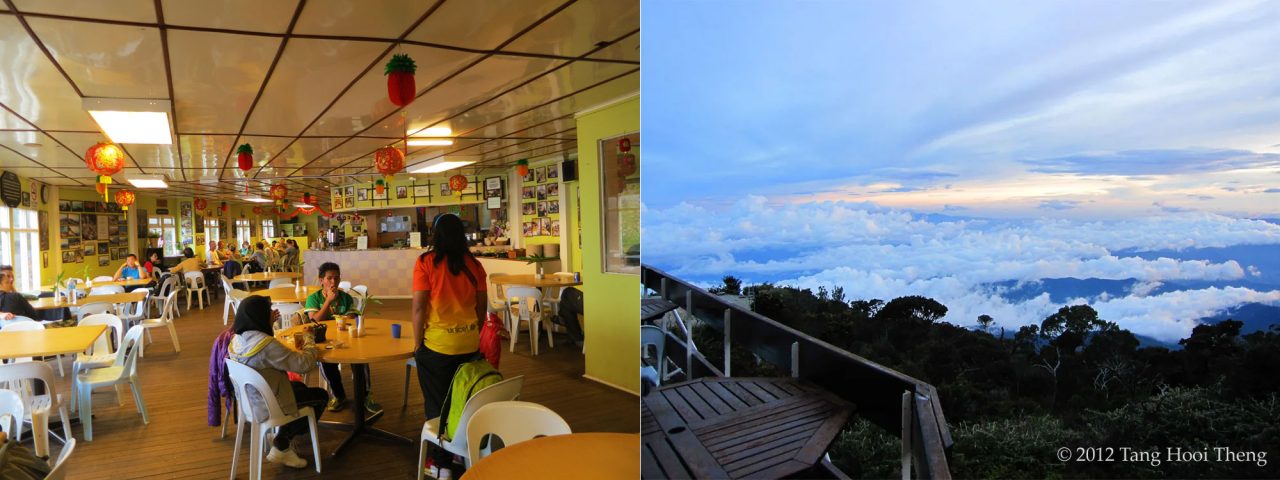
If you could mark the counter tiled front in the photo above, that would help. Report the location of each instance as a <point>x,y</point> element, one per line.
<point>389,273</point>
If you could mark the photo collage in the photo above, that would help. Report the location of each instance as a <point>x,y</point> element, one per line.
<point>91,232</point>
<point>540,201</point>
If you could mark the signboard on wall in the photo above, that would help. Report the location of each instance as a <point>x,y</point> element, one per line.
<point>10,189</point>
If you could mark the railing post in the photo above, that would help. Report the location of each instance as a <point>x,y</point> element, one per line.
<point>906,434</point>
<point>663,293</point>
<point>688,333</point>
<point>727,316</point>
<point>795,359</point>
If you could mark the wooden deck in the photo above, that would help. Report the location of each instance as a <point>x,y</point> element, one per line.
<point>178,442</point>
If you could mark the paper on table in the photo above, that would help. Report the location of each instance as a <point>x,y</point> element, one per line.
<point>415,239</point>
<point>362,243</point>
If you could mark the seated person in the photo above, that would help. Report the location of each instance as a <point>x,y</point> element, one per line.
<point>245,251</point>
<point>154,263</point>
<point>260,257</point>
<point>190,264</point>
<point>254,346</point>
<point>130,270</point>
<point>211,256</point>
<point>322,305</point>
<point>19,462</point>
<point>11,302</point>
<point>570,308</point>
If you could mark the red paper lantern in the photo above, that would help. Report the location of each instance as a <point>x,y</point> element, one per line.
<point>105,159</point>
<point>279,192</point>
<point>125,198</point>
<point>244,154</point>
<point>223,207</point>
<point>388,161</point>
<point>401,87</point>
<point>624,145</point>
<point>257,210</point>
<point>522,167</point>
<point>457,183</point>
<point>201,204</point>
<point>306,198</point>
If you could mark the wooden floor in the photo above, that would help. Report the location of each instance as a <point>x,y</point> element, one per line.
<point>178,442</point>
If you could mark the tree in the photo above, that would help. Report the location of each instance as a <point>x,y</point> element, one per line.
<point>732,286</point>
<point>912,307</point>
<point>985,321</point>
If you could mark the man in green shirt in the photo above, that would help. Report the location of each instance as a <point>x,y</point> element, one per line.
<point>323,305</point>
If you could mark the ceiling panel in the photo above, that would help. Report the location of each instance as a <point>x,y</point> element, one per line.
<point>9,121</point>
<point>481,25</point>
<point>127,10</point>
<point>576,30</point>
<point>310,75</point>
<point>626,49</point>
<point>356,18</point>
<point>154,157</point>
<point>565,81</point>
<point>265,150</point>
<point>216,77</point>
<point>271,16</point>
<point>49,152</point>
<point>367,101</point>
<point>349,152</point>
<point>477,84</point>
<point>205,151</point>
<point>106,60</point>
<point>32,87</point>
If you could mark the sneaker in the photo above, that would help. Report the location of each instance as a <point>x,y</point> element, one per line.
<point>288,458</point>
<point>430,470</point>
<point>336,404</point>
<point>372,407</point>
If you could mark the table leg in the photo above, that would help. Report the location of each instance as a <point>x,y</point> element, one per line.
<point>362,425</point>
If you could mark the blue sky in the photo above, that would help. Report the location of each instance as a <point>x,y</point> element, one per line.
<point>938,148</point>
<point>1016,109</point>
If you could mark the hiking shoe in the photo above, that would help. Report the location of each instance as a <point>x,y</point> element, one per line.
<point>337,404</point>
<point>288,458</point>
<point>372,407</point>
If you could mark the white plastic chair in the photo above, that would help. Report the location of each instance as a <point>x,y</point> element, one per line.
<point>37,407</point>
<point>287,312</point>
<point>232,303</point>
<point>527,302</point>
<point>345,285</point>
<point>106,290</point>
<point>362,290</point>
<point>11,414</point>
<point>138,313</point>
<point>100,354</point>
<point>505,390</point>
<point>196,286</point>
<point>281,282</point>
<point>551,295</point>
<point>654,338</point>
<point>511,422</point>
<point>123,370</point>
<point>169,285</point>
<point>59,470</point>
<point>165,320</point>
<point>103,278</point>
<point>498,297</point>
<point>95,308</point>
<point>243,378</point>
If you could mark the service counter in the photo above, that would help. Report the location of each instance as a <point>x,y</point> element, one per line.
<point>389,272</point>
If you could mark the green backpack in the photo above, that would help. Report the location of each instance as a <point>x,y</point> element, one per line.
<point>471,377</point>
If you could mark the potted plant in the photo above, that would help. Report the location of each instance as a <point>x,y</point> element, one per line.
<point>537,259</point>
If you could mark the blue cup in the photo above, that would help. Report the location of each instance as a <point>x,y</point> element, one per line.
<point>395,330</point>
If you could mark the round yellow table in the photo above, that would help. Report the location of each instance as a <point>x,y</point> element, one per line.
<point>579,455</point>
<point>264,277</point>
<point>376,345</point>
<point>288,294</point>
<point>530,280</point>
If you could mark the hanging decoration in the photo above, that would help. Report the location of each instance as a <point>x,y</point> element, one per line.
<point>105,159</point>
<point>279,192</point>
<point>284,206</point>
<point>401,87</point>
<point>307,198</point>
<point>201,204</point>
<point>244,155</point>
<point>380,186</point>
<point>457,183</point>
<point>305,211</point>
<point>257,210</point>
<point>522,167</point>
<point>389,161</point>
<point>626,162</point>
<point>125,198</point>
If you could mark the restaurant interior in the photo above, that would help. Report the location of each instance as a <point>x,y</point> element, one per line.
<point>343,132</point>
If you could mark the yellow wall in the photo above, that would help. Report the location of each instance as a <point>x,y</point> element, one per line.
<point>611,301</point>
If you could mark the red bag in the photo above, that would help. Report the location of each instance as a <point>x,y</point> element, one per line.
<point>491,335</point>
<point>293,377</point>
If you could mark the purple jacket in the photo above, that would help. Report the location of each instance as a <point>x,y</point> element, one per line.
<point>220,388</point>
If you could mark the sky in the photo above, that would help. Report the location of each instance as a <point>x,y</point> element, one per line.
<point>935,148</point>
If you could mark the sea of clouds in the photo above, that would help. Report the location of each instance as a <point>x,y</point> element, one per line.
<point>877,252</point>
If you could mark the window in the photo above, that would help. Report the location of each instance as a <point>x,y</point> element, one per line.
<point>268,228</point>
<point>211,230</point>
<point>242,231</point>
<point>168,233</point>
<point>20,246</point>
<point>620,195</point>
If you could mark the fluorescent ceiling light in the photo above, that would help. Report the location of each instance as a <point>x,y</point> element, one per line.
<point>441,164</point>
<point>303,205</point>
<point>429,142</point>
<point>127,120</point>
<point>436,132</point>
<point>148,181</point>
<point>257,200</point>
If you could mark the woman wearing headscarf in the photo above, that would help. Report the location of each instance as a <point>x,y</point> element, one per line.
<point>449,305</point>
<point>253,345</point>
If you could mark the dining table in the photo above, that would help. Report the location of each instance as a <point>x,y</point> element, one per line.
<point>49,303</point>
<point>288,294</point>
<point>374,344</point>
<point>547,281</point>
<point>48,342</point>
<point>128,282</point>
<point>264,276</point>
<point>588,455</point>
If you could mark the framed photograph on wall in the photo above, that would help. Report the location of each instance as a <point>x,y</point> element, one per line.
<point>527,193</point>
<point>553,171</point>
<point>104,260</point>
<point>555,227</point>
<point>553,207</point>
<point>540,174</point>
<point>351,191</point>
<point>542,209</point>
<point>528,208</point>
<point>402,192</point>
<point>444,190</point>
<point>544,225</point>
<point>553,189</point>
<point>422,191</point>
<point>542,192</point>
<point>528,177</point>
<point>530,229</point>
<point>103,248</point>
<point>362,194</point>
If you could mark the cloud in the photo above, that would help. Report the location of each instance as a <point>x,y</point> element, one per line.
<point>1170,208</point>
<point>1059,204</point>
<point>1155,162</point>
<point>1271,190</point>
<point>878,252</point>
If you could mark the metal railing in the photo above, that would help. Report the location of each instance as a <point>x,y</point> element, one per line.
<point>903,406</point>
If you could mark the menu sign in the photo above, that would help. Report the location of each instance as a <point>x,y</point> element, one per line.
<point>10,189</point>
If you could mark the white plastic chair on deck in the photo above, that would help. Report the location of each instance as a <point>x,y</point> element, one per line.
<point>38,407</point>
<point>528,302</point>
<point>95,308</point>
<point>167,314</point>
<point>243,378</point>
<point>123,370</point>
<point>196,286</point>
<point>100,354</point>
<point>505,390</point>
<point>512,422</point>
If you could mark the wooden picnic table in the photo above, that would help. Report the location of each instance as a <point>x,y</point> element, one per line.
<point>722,427</point>
<point>654,308</point>
<point>47,303</point>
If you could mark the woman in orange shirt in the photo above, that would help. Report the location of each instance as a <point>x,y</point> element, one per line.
<point>449,305</point>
